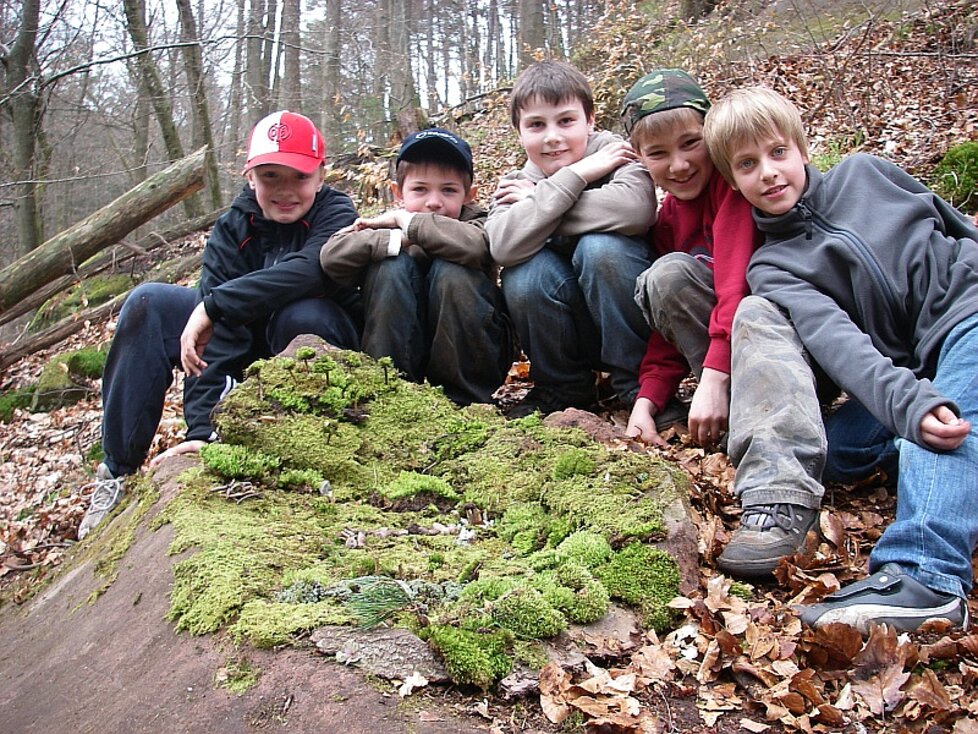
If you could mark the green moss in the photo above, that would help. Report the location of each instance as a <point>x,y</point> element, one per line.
<point>411,484</point>
<point>530,653</point>
<point>66,378</point>
<point>742,591</point>
<point>12,400</point>
<point>237,675</point>
<point>573,463</point>
<point>266,623</point>
<point>88,293</point>
<point>237,462</point>
<point>478,658</point>
<point>525,613</point>
<point>585,548</point>
<point>956,176</point>
<point>645,577</point>
<point>301,479</point>
<point>524,526</point>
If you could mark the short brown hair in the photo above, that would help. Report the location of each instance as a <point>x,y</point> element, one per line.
<point>660,123</point>
<point>550,81</point>
<point>749,114</point>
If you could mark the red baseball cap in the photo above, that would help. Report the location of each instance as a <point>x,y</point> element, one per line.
<point>286,138</point>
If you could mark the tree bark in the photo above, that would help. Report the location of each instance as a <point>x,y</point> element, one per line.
<point>110,259</point>
<point>291,97</point>
<point>136,25</point>
<point>25,111</point>
<point>58,332</point>
<point>62,253</point>
<point>194,66</point>
<point>531,33</point>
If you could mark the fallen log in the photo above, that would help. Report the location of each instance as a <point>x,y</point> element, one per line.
<point>113,258</point>
<point>16,351</point>
<point>61,254</point>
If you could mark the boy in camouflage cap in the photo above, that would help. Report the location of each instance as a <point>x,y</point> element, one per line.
<point>703,237</point>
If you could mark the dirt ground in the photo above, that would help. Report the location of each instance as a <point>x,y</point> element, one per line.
<point>115,665</point>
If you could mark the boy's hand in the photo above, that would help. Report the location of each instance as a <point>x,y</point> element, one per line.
<point>942,430</point>
<point>194,338</point>
<point>391,219</point>
<point>641,423</point>
<point>710,407</point>
<point>602,162</point>
<point>187,447</point>
<point>512,191</point>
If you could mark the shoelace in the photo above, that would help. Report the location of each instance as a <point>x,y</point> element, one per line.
<point>106,494</point>
<point>768,516</point>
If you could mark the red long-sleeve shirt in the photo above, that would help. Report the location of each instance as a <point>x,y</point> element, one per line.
<point>716,227</point>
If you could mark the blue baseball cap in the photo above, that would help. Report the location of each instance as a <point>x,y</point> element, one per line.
<point>434,142</point>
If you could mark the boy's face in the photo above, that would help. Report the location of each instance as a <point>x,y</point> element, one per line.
<point>433,189</point>
<point>284,194</point>
<point>770,173</point>
<point>678,160</point>
<point>554,136</point>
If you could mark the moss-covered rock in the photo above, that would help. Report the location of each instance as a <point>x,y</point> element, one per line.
<point>407,471</point>
<point>645,577</point>
<point>12,400</point>
<point>66,379</point>
<point>91,292</point>
<point>956,176</point>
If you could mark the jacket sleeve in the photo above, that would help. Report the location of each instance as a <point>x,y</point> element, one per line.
<point>734,240</point>
<point>345,256</point>
<point>563,204</point>
<point>462,241</point>
<point>662,369</point>
<point>259,293</point>
<point>894,395</point>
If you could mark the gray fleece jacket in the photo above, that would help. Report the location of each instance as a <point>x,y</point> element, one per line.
<point>563,205</point>
<point>874,270</point>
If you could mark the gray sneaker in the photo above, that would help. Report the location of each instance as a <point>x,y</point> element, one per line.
<point>767,533</point>
<point>107,493</point>
<point>888,596</point>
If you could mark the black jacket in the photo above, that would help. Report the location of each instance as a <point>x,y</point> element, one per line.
<point>251,267</point>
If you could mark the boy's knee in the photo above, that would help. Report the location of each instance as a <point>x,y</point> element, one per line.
<point>756,310</point>
<point>666,279</point>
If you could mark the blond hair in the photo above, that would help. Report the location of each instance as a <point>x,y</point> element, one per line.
<point>662,123</point>
<point>747,115</point>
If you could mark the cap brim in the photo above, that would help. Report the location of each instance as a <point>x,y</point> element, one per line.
<point>302,163</point>
<point>416,148</point>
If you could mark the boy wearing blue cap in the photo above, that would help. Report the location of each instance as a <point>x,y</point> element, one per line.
<point>428,282</point>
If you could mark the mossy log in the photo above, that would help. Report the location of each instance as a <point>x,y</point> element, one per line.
<point>62,253</point>
<point>111,259</point>
<point>68,326</point>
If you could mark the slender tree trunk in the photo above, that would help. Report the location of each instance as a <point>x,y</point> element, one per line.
<point>203,133</point>
<point>270,57</point>
<point>290,40</point>
<point>431,81</point>
<point>236,105</point>
<point>136,24</point>
<point>257,71</point>
<point>333,95</point>
<point>25,111</point>
<point>405,105</point>
<point>531,33</point>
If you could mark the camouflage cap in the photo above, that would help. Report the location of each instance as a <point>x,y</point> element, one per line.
<point>660,90</point>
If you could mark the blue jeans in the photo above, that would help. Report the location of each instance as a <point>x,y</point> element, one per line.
<point>146,348</point>
<point>858,445</point>
<point>439,320</point>
<point>936,526</point>
<point>576,314</point>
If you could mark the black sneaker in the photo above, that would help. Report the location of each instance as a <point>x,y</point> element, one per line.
<point>767,533</point>
<point>889,596</point>
<point>545,400</point>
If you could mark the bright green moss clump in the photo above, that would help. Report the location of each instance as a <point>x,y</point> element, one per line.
<point>66,378</point>
<point>956,176</point>
<point>470,529</point>
<point>645,577</point>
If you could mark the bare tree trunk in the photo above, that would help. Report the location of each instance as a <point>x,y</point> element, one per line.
<point>25,111</point>
<point>404,97</point>
<point>236,105</point>
<point>291,97</point>
<point>62,253</point>
<point>431,81</point>
<point>332,93</point>
<point>136,24</point>
<point>257,71</point>
<point>269,56</point>
<point>194,65</point>
<point>531,33</point>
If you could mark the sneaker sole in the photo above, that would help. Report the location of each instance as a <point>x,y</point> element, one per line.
<point>860,615</point>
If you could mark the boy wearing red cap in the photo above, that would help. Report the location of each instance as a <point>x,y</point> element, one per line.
<point>428,281</point>
<point>260,286</point>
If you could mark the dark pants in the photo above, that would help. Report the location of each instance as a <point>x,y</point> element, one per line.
<point>146,348</point>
